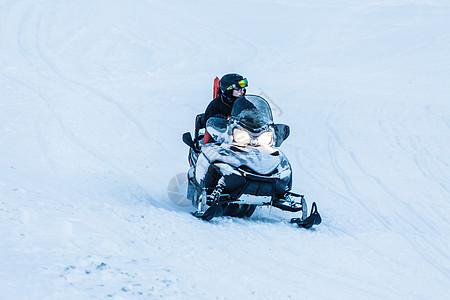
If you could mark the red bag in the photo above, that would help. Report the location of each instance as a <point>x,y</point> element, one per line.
<point>215,93</point>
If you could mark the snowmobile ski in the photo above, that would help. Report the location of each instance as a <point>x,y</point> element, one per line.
<point>313,219</point>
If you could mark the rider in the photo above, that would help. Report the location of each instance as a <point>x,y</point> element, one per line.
<point>231,87</point>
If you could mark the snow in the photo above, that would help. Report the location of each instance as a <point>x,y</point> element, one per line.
<point>94,98</point>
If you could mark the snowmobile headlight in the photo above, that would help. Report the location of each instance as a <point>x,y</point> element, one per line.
<point>266,139</point>
<point>241,136</point>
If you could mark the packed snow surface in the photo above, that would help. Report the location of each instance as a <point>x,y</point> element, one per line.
<point>94,98</point>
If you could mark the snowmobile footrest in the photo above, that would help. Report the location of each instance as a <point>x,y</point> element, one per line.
<point>313,219</point>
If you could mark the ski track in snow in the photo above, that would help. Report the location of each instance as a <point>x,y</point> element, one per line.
<point>431,253</point>
<point>70,84</point>
<point>332,150</point>
<point>94,99</point>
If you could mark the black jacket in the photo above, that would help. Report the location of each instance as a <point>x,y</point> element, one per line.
<point>220,107</point>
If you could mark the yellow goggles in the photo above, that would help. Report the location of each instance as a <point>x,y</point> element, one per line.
<point>240,85</point>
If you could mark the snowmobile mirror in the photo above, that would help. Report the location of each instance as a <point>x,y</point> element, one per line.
<point>282,132</point>
<point>187,139</point>
<point>199,124</point>
<point>217,128</point>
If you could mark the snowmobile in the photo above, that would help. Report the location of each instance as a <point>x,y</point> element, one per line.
<point>243,167</point>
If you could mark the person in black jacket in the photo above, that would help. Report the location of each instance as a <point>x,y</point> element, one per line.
<point>231,87</point>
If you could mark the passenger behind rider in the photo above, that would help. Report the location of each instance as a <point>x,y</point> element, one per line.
<point>231,87</point>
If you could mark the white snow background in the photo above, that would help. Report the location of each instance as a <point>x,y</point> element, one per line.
<point>94,98</point>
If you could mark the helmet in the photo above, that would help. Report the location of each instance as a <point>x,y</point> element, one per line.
<point>231,81</point>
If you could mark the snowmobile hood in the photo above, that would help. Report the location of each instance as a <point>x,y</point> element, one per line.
<point>262,160</point>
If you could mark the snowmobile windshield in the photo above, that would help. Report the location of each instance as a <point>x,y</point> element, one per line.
<point>252,112</point>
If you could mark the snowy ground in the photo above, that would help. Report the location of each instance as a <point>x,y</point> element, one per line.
<point>94,97</point>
